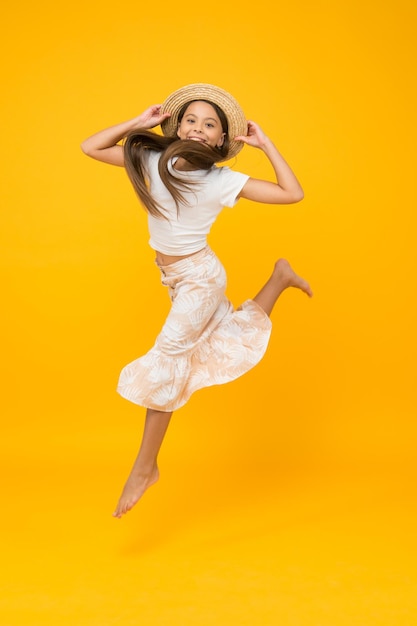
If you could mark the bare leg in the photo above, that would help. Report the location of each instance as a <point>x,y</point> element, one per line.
<point>145,470</point>
<point>282,277</point>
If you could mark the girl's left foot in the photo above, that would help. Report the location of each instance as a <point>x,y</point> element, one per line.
<point>284,273</point>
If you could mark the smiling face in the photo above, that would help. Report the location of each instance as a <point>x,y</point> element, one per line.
<point>200,122</point>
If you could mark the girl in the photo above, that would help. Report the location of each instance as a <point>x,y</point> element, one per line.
<point>204,341</point>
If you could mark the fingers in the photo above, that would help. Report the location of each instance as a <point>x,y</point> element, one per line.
<point>156,111</point>
<point>155,115</point>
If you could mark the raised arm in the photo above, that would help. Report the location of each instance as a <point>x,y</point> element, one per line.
<point>286,189</point>
<point>104,146</point>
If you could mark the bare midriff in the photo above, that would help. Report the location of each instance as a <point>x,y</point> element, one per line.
<point>166,259</point>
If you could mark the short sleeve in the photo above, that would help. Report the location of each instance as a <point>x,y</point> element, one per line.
<point>231,184</point>
<point>150,158</point>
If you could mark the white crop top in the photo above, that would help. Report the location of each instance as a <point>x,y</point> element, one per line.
<point>186,232</point>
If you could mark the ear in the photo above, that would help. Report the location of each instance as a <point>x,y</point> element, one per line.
<point>221,140</point>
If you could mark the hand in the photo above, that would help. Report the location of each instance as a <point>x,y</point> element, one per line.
<point>151,117</point>
<point>255,137</point>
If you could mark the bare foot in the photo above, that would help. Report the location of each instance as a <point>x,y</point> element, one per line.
<point>288,278</point>
<point>135,487</point>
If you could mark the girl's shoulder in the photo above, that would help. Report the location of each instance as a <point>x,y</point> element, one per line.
<point>226,173</point>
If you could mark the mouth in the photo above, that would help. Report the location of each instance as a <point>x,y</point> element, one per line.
<point>197,139</point>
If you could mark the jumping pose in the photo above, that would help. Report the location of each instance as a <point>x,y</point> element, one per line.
<point>204,340</point>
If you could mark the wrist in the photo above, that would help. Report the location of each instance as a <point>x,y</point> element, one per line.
<point>137,122</point>
<point>267,144</point>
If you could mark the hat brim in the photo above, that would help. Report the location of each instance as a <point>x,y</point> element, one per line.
<point>203,91</point>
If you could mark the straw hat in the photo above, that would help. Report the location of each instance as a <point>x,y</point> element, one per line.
<point>202,91</point>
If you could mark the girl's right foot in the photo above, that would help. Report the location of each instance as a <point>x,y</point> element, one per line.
<point>135,487</point>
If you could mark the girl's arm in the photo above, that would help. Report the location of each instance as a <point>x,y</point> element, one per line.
<point>104,145</point>
<point>286,189</point>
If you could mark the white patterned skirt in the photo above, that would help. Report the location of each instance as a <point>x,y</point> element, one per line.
<point>203,342</point>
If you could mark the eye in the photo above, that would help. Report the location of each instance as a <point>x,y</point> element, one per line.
<point>210,125</point>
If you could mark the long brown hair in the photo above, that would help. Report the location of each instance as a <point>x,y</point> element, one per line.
<point>200,156</point>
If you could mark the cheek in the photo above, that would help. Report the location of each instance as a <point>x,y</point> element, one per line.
<point>180,130</point>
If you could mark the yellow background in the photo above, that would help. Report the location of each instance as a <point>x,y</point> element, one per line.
<point>288,496</point>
